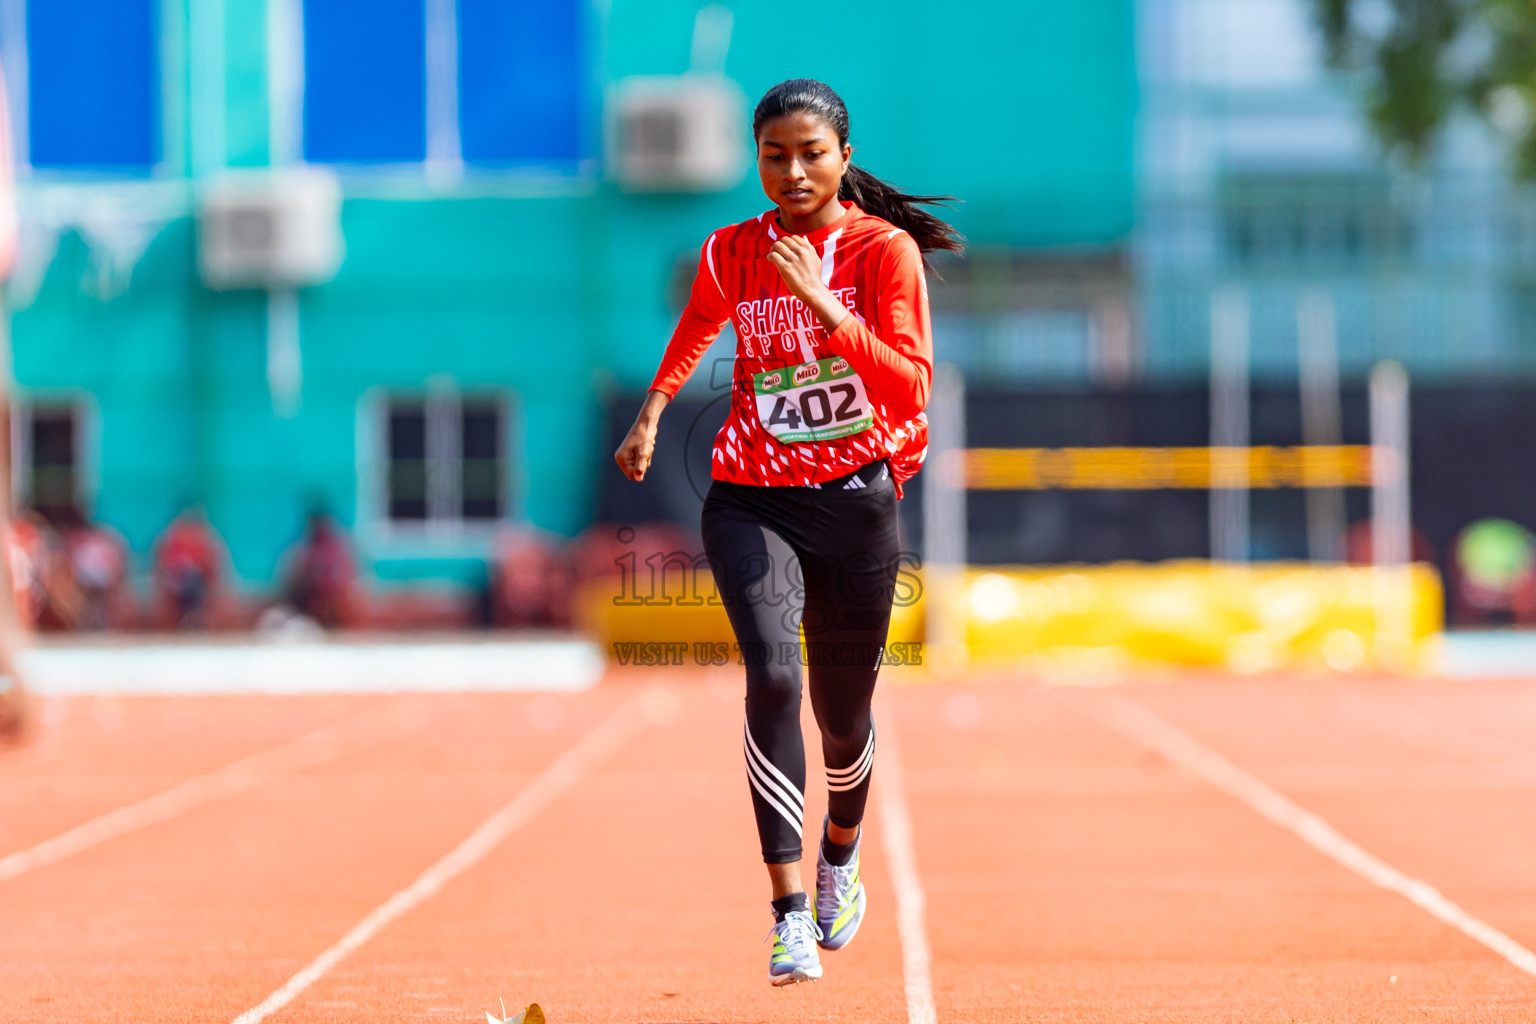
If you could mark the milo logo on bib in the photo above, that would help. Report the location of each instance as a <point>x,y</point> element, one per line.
<point>820,401</point>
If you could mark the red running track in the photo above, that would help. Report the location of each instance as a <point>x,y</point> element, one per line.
<point>1072,871</point>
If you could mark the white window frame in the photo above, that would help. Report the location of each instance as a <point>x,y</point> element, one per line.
<point>192,129</point>
<point>443,168</point>
<point>87,444</point>
<point>204,21</point>
<point>445,525</point>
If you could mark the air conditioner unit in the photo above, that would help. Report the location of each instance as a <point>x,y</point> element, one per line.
<point>270,229</point>
<point>676,133</point>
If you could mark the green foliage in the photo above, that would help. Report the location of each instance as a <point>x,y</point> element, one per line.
<point>1422,60</point>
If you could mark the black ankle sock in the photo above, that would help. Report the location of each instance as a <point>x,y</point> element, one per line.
<point>794,901</point>
<point>837,854</point>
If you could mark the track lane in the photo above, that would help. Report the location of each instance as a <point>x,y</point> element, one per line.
<point>1069,875</point>
<point>640,897</point>
<point>380,724</point>
<point>200,918</point>
<point>1155,733</point>
<point>97,754</point>
<point>1472,842</point>
<point>1095,882</point>
<point>572,767</point>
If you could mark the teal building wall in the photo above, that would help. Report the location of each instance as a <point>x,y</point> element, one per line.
<point>550,287</point>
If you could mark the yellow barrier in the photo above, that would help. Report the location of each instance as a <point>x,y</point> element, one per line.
<point>666,630</point>
<point>1254,618</point>
<point>1008,469</point>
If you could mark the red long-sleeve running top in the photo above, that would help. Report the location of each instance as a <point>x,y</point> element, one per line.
<point>808,406</point>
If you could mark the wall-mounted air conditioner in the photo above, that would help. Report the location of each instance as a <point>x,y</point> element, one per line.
<point>677,133</point>
<point>279,228</point>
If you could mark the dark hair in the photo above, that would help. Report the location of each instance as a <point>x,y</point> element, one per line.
<point>881,198</point>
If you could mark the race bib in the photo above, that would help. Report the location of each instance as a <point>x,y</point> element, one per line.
<point>813,401</point>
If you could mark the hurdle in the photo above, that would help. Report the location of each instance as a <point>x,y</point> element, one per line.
<point>1399,599</point>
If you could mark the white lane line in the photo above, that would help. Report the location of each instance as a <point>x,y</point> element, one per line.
<point>632,717</point>
<point>911,903</point>
<point>370,727</point>
<point>1137,723</point>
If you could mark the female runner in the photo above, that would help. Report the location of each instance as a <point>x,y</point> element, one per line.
<point>833,362</point>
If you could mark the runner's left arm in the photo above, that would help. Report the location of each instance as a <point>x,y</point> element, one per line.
<point>897,362</point>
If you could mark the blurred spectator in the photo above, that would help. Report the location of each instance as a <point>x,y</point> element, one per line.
<point>27,551</point>
<point>188,572</point>
<point>48,598</point>
<point>609,551</point>
<point>1493,572</point>
<point>98,561</point>
<point>321,576</point>
<point>615,564</point>
<point>529,580</point>
<point>1357,545</point>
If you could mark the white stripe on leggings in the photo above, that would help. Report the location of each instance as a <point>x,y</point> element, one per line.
<point>772,801</point>
<point>840,780</point>
<point>789,788</point>
<point>771,793</point>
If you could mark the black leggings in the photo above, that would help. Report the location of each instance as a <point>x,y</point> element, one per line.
<point>827,558</point>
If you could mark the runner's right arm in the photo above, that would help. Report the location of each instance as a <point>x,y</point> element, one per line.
<point>701,323</point>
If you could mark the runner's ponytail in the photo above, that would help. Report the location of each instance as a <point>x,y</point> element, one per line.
<point>874,196</point>
<point>887,202</point>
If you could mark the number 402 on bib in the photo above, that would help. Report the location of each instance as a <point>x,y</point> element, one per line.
<point>816,401</point>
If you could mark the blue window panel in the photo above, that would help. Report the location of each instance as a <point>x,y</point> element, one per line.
<point>92,89</point>
<point>520,72</point>
<point>365,81</point>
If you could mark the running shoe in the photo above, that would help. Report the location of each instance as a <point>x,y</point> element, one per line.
<point>840,898</point>
<point>794,956</point>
